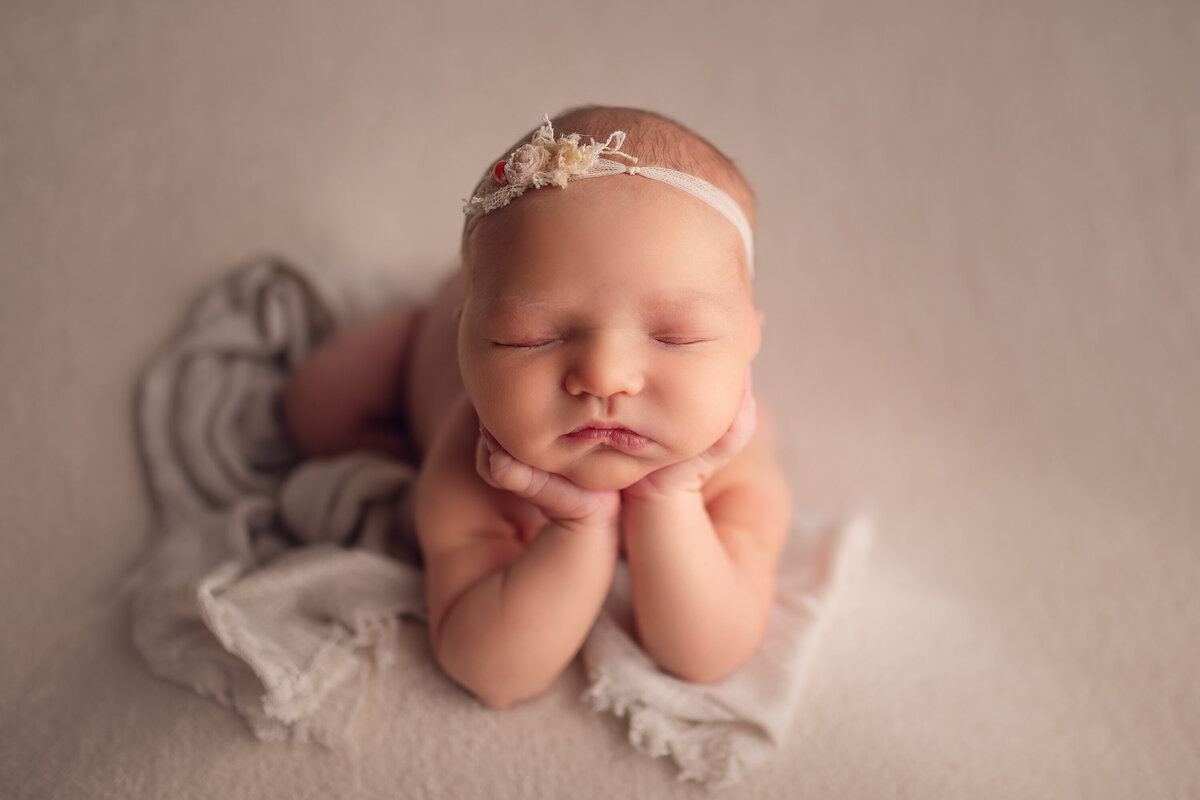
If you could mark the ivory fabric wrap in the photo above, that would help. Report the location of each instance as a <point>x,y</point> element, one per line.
<point>277,585</point>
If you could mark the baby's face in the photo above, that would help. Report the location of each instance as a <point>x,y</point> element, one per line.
<point>608,328</point>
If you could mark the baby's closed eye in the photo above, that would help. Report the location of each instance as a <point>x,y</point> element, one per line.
<point>675,338</point>
<point>680,341</point>
<point>525,342</point>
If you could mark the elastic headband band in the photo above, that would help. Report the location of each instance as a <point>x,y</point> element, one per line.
<point>547,161</point>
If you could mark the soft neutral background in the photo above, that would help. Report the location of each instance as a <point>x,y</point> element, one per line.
<point>980,262</point>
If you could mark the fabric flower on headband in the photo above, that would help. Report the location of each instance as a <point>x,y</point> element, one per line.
<point>545,161</point>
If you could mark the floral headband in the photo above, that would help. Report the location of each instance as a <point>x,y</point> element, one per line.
<point>547,161</point>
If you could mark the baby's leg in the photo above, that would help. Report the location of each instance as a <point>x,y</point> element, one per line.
<point>349,395</point>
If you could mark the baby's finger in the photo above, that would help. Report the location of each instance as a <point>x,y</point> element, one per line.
<point>515,476</point>
<point>483,462</point>
<point>503,471</point>
<point>557,497</point>
<point>500,470</point>
<point>492,463</point>
<point>740,430</point>
<point>746,421</point>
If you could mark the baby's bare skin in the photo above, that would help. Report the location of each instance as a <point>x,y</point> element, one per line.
<point>579,389</point>
<point>434,385</point>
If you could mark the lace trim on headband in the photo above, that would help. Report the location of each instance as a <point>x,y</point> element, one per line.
<point>550,161</point>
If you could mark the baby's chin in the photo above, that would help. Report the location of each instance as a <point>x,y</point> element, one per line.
<point>607,472</point>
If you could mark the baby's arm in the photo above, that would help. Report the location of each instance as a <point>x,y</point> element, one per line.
<point>702,558</point>
<point>506,615</point>
<point>348,394</point>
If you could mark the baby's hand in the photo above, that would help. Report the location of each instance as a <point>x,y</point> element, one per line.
<point>559,499</point>
<point>691,475</point>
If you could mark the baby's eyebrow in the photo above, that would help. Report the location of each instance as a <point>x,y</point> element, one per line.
<point>676,304</point>
<point>692,301</point>
<point>516,304</point>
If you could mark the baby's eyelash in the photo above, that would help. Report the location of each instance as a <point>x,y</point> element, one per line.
<point>535,344</point>
<point>531,345</point>
<point>679,341</point>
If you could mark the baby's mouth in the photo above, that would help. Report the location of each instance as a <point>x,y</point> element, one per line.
<point>616,437</point>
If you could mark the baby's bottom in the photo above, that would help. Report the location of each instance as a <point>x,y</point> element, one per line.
<point>351,393</point>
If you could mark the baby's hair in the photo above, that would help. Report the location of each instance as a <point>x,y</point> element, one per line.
<point>655,140</point>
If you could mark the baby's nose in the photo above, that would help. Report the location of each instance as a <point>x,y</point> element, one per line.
<point>603,368</point>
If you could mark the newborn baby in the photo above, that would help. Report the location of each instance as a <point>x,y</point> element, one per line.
<point>579,391</point>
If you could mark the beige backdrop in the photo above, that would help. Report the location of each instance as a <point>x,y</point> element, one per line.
<point>980,262</point>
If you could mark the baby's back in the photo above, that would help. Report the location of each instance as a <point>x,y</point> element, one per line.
<point>434,386</point>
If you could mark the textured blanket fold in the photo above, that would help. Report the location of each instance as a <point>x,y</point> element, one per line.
<point>715,734</point>
<point>226,602</point>
<point>273,583</point>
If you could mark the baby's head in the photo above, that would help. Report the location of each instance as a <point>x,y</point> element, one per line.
<point>609,322</point>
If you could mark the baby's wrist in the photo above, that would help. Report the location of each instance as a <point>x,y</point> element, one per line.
<point>644,493</point>
<point>601,519</point>
<point>601,539</point>
<point>577,529</point>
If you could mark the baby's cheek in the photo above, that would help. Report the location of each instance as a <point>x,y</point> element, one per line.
<point>512,408</point>
<point>704,415</point>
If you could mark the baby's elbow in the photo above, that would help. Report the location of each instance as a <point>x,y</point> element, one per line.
<point>488,686</point>
<point>706,674</point>
<point>499,696</point>
<point>711,661</point>
<point>497,699</point>
<point>499,691</point>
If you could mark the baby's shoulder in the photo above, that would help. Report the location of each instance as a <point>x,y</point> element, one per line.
<point>750,494</point>
<point>755,464</point>
<point>453,504</point>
